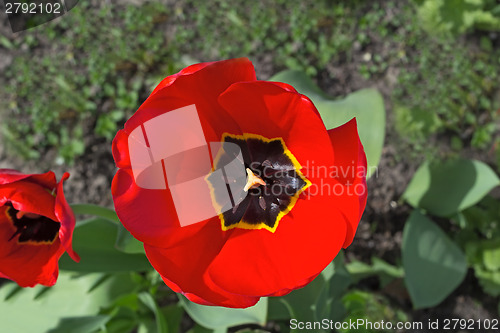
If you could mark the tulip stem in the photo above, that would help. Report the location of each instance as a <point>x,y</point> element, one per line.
<point>95,210</point>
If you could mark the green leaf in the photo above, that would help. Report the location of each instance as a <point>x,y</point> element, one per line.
<point>434,266</point>
<point>125,242</point>
<point>489,281</point>
<point>359,269</point>
<point>124,320</point>
<point>216,317</point>
<point>474,253</point>
<point>484,256</point>
<point>446,188</point>
<point>278,309</point>
<point>370,307</point>
<point>199,329</point>
<point>341,279</point>
<point>446,18</point>
<point>415,123</point>
<point>302,302</point>
<point>385,272</point>
<point>94,240</point>
<point>87,324</point>
<point>491,255</point>
<point>69,298</point>
<point>95,210</point>
<point>319,299</point>
<point>161,324</point>
<point>366,105</point>
<point>173,315</point>
<point>5,42</point>
<point>147,325</point>
<point>335,288</point>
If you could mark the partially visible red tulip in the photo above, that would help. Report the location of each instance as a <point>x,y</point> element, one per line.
<point>36,227</point>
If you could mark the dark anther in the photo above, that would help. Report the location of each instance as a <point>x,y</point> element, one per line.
<point>32,227</point>
<point>273,182</point>
<point>262,202</point>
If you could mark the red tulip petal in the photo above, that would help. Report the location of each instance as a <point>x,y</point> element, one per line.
<point>265,108</point>
<point>27,264</point>
<point>191,297</point>
<point>258,262</point>
<point>200,87</point>
<point>345,143</point>
<point>135,206</point>
<point>363,189</point>
<point>120,150</point>
<point>188,70</point>
<point>9,176</point>
<point>300,284</point>
<point>65,215</point>
<point>28,197</point>
<point>47,180</point>
<point>350,163</point>
<point>186,272</point>
<point>285,86</point>
<point>199,84</point>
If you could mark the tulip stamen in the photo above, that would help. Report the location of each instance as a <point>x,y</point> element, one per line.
<point>21,214</point>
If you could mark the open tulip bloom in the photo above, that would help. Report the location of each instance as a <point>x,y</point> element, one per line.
<point>36,227</point>
<point>234,185</point>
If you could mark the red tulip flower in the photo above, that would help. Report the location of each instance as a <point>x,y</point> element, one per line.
<point>36,227</point>
<point>234,185</point>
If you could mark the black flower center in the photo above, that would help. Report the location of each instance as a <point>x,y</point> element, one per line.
<point>32,228</point>
<point>268,188</point>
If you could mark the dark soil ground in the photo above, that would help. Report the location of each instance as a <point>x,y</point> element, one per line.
<point>380,231</point>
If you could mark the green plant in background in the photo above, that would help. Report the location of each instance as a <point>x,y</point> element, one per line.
<point>443,189</point>
<point>453,188</point>
<point>466,108</point>
<point>371,307</point>
<point>125,99</point>
<point>480,237</point>
<point>447,87</point>
<point>51,106</point>
<point>298,35</point>
<point>115,72</point>
<point>417,124</point>
<point>452,17</point>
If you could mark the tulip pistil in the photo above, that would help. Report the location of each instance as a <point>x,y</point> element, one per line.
<point>253,181</point>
